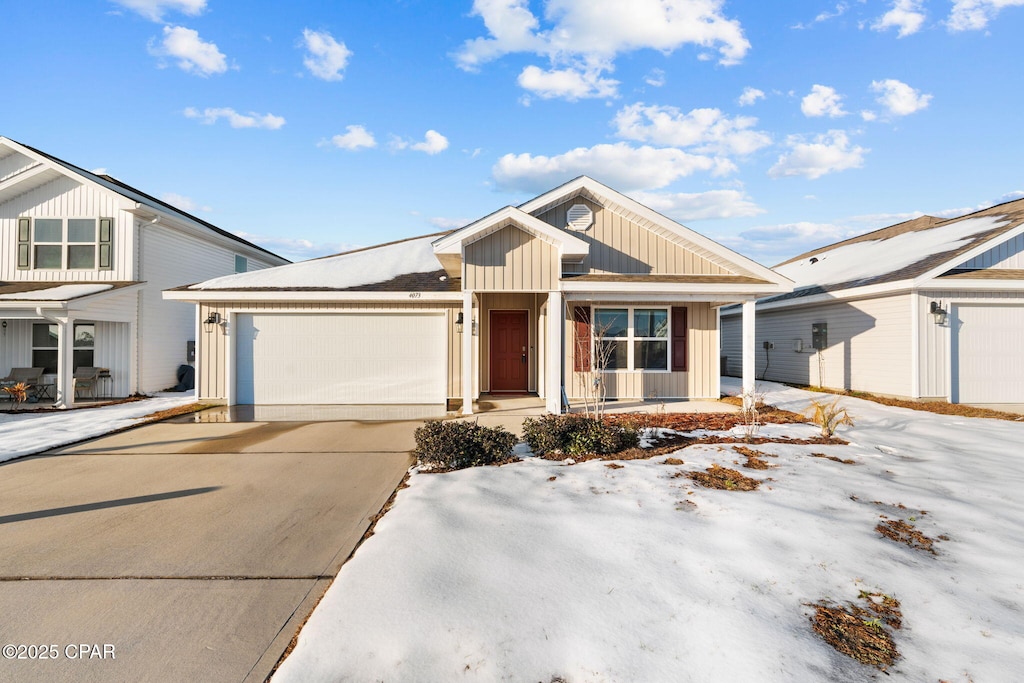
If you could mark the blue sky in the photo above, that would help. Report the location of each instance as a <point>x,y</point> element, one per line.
<point>312,127</point>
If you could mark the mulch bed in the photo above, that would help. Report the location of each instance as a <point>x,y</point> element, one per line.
<point>938,407</point>
<point>754,461</point>
<point>902,532</point>
<point>845,461</point>
<point>861,632</point>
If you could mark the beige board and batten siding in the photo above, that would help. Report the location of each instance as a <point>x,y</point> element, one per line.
<point>1006,256</point>
<point>530,303</point>
<point>934,340</point>
<point>171,258</point>
<point>869,345</point>
<point>698,382</point>
<point>213,347</point>
<point>65,198</point>
<point>622,246</point>
<point>511,259</point>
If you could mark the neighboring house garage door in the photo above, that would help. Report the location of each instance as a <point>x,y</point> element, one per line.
<point>341,359</point>
<point>988,358</point>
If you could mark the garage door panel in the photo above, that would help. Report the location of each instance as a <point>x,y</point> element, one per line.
<point>341,359</point>
<point>988,358</point>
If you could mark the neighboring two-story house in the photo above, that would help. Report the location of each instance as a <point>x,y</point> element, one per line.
<point>83,261</point>
<point>519,302</point>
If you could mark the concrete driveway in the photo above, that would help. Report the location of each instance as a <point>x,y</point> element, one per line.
<point>182,550</point>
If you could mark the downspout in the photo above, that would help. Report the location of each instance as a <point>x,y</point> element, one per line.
<point>61,385</point>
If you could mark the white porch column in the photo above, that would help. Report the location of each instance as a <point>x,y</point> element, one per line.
<point>748,350</point>
<point>65,382</point>
<point>467,353</point>
<point>553,354</point>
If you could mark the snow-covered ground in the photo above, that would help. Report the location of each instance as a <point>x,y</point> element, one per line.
<point>28,433</point>
<point>542,571</point>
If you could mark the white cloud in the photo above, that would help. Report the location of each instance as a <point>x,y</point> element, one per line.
<point>974,15</point>
<point>586,35</point>
<point>182,202</point>
<point>822,101</point>
<point>826,153</point>
<point>99,171</point>
<point>449,223</point>
<point>570,84</point>
<point>656,78</point>
<point>298,249</point>
<point>326,58</point>
<point>868,115</point>
<point>433,143</point>
<point>356,137</point>
<point>193,55</point>
<point>707,130</point>
<point>750,96</point>
<point>899,98</point>
<point>701,205</point>
<point>154,9</point>
<point>840,10</point>
<point>905,15</point>
<point>211,115</point>
<point>621,166</point>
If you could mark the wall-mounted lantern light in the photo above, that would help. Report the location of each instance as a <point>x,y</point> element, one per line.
<point>211,320</point>
<point>938,313</point>
<point>458,323</point>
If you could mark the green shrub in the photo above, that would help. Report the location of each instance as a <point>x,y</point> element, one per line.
<point>574,435</point>
<point>454,445</point>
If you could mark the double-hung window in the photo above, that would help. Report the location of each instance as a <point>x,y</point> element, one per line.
<point>44,346</point>
<point>632,338</point>
<point>65,243</point>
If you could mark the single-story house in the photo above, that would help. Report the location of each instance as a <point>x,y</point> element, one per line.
<point>516,302</point>
<point>927,309</point>
<point>83,261</point>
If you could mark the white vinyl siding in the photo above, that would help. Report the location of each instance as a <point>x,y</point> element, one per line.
<point>66,199</point>
<point>340,359</point>
<point>1008,255</point>
<point>869,345</point>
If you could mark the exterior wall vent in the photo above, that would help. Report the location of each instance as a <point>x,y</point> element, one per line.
<point>579,217</point>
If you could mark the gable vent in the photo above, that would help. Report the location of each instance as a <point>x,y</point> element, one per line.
<point>579,217</point>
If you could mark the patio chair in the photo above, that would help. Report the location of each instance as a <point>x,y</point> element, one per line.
<point>30,376</point>
<point>85,381</point>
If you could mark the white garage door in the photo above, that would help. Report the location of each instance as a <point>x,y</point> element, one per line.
<point>988,354</point>
<point>340,359</point>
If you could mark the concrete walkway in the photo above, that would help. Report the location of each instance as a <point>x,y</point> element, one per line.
<point>183,551</point>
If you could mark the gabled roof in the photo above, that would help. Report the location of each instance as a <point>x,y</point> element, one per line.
<point>453,243</point>
<point>112,184</point>
<point>588,188</point>
<point>912,252</point>
<point>406,265</point>
<point>22,294</point>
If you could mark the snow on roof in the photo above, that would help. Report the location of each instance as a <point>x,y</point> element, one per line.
<point>343,271</point>
<point>865,260</point>
<point>57,293</point>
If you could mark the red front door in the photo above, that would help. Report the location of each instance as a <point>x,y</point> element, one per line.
<point>510,356</point>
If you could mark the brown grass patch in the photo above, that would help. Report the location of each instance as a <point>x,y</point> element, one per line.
<point>937,407</point>
<point>834,458</point>
<point>614,466</point>
<point>672,461</point>
<point>176,411</point>
<point>861,632</point>
<point>723,478</point>
<point>754,461</point>
<point>901,532</point>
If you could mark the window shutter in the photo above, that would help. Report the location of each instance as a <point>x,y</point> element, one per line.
<point>581,339</point>
<point>24,243</point>
<point>680,352</point>
<point>106,244</point>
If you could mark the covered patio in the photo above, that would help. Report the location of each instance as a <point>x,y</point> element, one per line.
<point>52,329</point>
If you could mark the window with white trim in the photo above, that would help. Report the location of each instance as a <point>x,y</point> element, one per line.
<point>45,350</point>
<point>632,338</point>
<point>65,243</point>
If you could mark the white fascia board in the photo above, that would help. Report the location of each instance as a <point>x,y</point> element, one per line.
<point>199,231</point>
<point>585,182</point>
<point>869,291</point>
<point>717,298</point>
<point>27,309</point>
<point>671,287</point>
<point>456,241</point>
<point>968,255</point>
<point>214,295</point>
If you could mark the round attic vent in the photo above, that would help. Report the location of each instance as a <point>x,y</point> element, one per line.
<point>579,217</point>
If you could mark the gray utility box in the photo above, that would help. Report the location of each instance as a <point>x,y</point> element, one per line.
<point>819,336</point>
